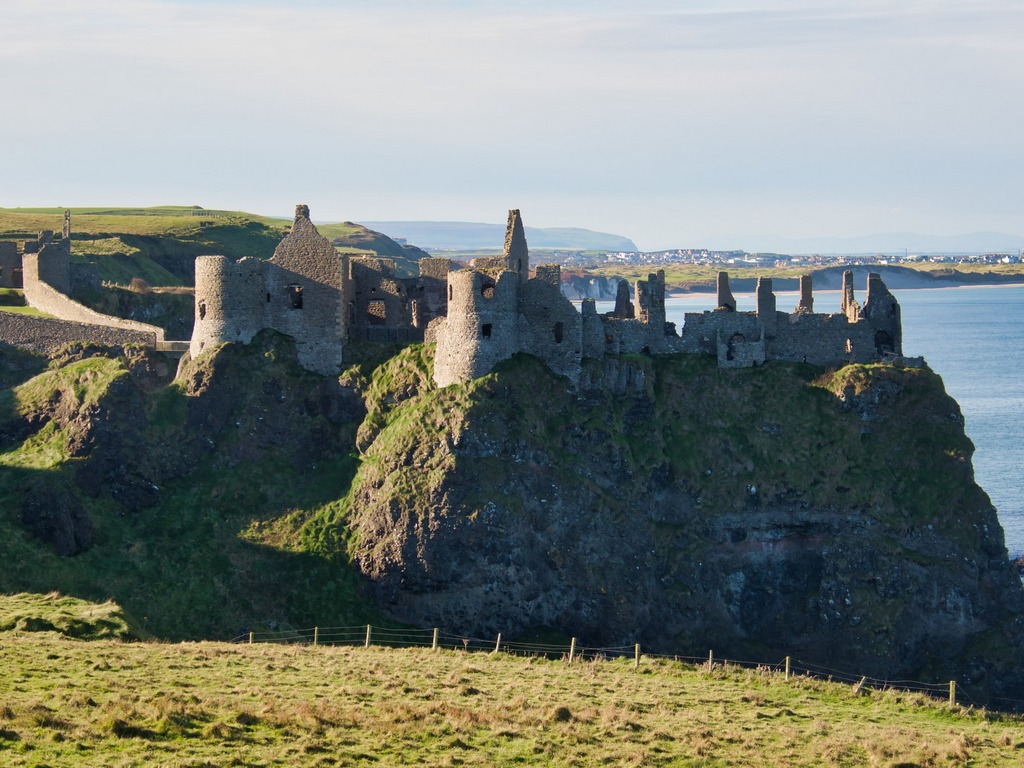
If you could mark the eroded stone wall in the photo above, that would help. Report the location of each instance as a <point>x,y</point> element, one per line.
<point>482,327</point>
<point>47,335</point>
<point>297,292</point>
<point>10,265</point>
<point>44,296</point>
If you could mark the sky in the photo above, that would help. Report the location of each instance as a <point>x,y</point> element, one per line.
<point>729,123</point>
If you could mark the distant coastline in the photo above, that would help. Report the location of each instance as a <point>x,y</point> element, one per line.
<point>830,279</point>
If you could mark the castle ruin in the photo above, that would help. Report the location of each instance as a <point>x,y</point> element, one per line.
<point>42,269</point>
<point>319,297</point>
<point>494,309</point>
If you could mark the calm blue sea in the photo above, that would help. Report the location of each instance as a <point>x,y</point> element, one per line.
<point>974,339</point>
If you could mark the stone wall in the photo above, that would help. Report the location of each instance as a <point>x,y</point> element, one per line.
<point>551,328</point>
<point>379,305</point>
<point>42,295</point>
<point>432,290</point>
<point>47,335</point>
<point>46,281</point>
<point>10,265</point>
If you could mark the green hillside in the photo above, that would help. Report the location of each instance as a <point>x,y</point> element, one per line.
<point>160,244</point>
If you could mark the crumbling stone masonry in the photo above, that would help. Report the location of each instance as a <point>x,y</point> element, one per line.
<point>298,292</point>
<point>46,281</point>
<point>495,311</point>
<point>10,265</point>
<point>321,298</point>
<point>487,313</point>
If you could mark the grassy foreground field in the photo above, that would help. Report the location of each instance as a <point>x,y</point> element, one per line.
<point>66,702</point>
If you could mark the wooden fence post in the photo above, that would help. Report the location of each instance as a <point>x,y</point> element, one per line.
<point>572,650</point>
<point>636,657</point>
<point>316,636</point>
<point>787,667</point>
<point>952,693</point>
<point>250,638</point>
<point>369,630</point>
<point>497,645</point>
<point>433,646</point>
<point>711,660</point>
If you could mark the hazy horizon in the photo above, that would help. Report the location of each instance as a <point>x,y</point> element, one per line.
<point>714,124</point>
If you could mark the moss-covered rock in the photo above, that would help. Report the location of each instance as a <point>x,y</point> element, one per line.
<point>760,512</point>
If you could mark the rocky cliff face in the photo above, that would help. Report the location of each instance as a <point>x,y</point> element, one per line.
<point>760,513</point>
<point>832,517</point>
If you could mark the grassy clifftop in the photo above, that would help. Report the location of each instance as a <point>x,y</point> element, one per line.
<point>160,244</point>
<point>763,512</point>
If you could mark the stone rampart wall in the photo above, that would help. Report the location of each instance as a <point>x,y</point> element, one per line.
<point>47,335</point>
<point>48,299</point>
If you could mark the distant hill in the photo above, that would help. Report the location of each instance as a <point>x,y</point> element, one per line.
<point>468,235</point>
<point>355,238</point>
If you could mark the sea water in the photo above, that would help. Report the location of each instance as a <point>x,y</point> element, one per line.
<point>974,339</point>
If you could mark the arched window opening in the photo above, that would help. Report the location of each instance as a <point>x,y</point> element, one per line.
<point>485,330</point>
<point>295,296</point>
<point>558,331</point>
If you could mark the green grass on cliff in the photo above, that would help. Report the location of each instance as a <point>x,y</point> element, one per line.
<point>212,558</point>
<point>254,539</point>
<point>66,616</point>
<point>160,244</point>
<point>726,435</point>
<point>103,703</point>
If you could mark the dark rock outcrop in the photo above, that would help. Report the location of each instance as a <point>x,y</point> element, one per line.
<point>52,511</point>
<point>759,513</point>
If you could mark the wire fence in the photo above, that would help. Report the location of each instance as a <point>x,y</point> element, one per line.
<point>367,635</point>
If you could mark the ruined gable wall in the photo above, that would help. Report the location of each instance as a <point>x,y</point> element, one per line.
<point>516,253</point>
<point>310,267</point>
<point>882,311</point>
<point>482,327</point>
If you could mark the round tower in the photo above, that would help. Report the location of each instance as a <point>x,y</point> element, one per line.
<point>481,328</point>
